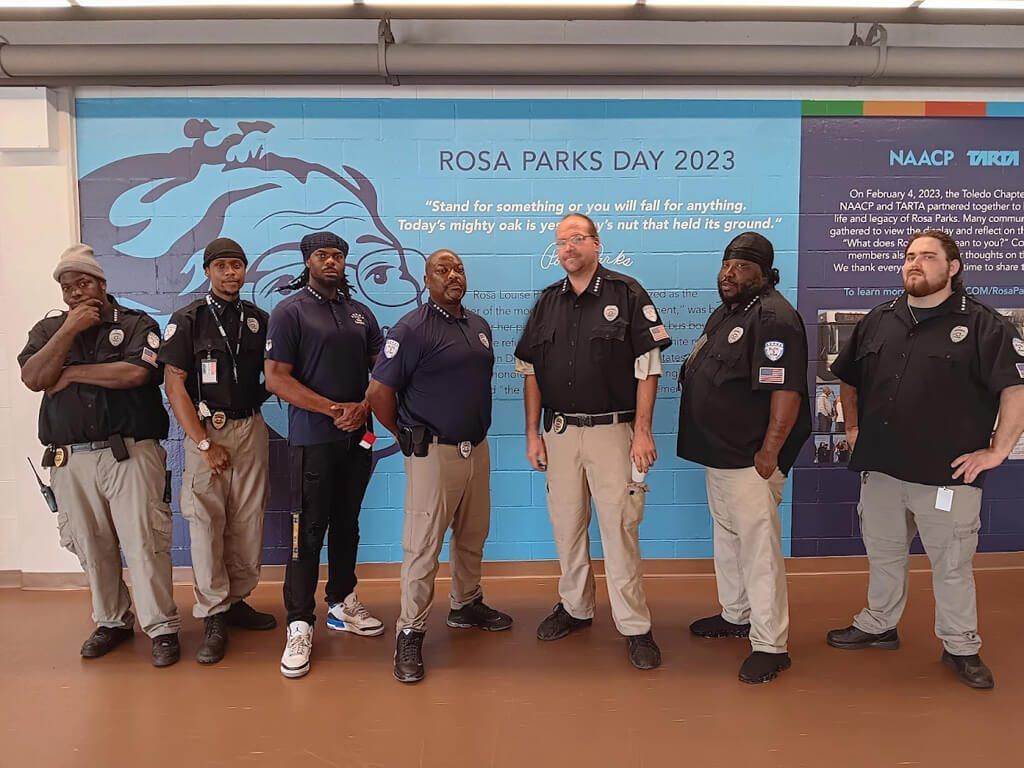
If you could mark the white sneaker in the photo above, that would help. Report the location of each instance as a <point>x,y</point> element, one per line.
<point>352,616</point>
<point>295,659</point>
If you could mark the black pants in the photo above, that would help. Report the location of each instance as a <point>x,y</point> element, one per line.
<point>334,478</point>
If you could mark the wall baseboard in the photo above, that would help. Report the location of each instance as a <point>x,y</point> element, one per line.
<point>527,569</point>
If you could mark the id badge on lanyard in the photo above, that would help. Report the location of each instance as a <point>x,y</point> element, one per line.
<point>209,371</point>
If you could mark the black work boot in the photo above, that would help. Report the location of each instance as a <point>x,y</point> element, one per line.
<point>716,626</point>
<point>409,656</point>
<point>479,614</point>
<point>643,651</point>
<point>853,639</point>
<point>166,650</point>
<point>215,640</point>
<point>971,669</point>
<point>559,624</point>
<point>103,640</point>
<point>244,616</point>
<point>760,667</point>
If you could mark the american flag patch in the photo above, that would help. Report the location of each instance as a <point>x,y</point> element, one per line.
<point>772,376</point>
<point>149,356</point>
<point>658,333</point>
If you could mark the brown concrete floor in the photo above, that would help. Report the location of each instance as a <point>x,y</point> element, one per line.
<point>509,700</point>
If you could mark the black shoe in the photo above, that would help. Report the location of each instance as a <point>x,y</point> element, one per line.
<point>853,639</point>
<point>103,640</point>
<point>479,614</point>
<point>244,616</point>
<point>166,650</point>
<point>409,656</point>
<point>215,640</point>
<point>643,651</point>
<point>559,624</point>
<point>760,667</point>
<point>971,670</point>
<point>716,626</point>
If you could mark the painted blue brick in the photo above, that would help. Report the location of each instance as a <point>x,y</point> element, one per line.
<point>512,488</point>
<point>497,550</point>
<point>380,526</point>
<point>372,553</point>
<point>695,548</point>
<point>690,487</point>
<point>675,522</point>
<point>658,549</point>
<point>376,495</point>
<point>522,524</point>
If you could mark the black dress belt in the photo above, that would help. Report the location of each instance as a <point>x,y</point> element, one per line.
<point>589,420</point>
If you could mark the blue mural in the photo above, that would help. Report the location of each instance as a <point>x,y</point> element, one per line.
<point>669,183</point>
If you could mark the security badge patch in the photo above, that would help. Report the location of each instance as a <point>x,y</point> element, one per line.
<point>611,312</point>
<point>465,449</point>
<point>773,350</point>
<point>219,419</point>
<point>116,337</point>
<point>484,340</point>
<point>60,457</point>
<point>650,313</point>
<point>1018,346</point>
<point>558,424</point>
<point>735,334</point>
<point>390,348</point>
<point>253,324</point>
<point>153,340</point>
<point>958,334</point>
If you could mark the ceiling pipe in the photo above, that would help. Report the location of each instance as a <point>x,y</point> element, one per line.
<point>641,12</point>
<point>421,63</point>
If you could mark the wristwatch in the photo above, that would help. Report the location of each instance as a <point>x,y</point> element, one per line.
<point>204,444</point>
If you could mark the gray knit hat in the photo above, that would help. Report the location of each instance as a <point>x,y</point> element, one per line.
<point>79,258</point>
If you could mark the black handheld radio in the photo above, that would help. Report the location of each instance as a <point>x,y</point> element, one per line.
<point>47,491</point>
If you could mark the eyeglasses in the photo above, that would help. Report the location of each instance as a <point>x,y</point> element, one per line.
<point>574,241</point>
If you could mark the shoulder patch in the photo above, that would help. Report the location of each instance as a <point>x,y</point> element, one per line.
<point>391,348</point>
<point>1018,346</point>
<point>774,350</point>
<point>169,331</point>
<point>650,313</point>
<point>153,340</point>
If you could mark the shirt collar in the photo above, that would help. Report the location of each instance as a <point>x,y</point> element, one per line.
<point>220,305</point>
<point>448,316</point>
<point>598,280</point>
<point>111,311</point>
<point>321,299</point>
<point>956,304</point>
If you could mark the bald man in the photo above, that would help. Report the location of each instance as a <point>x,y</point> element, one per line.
<point>432,389</point>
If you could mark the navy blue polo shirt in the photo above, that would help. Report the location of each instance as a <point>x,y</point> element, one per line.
<point>330,344</point>
<point>441,367</point>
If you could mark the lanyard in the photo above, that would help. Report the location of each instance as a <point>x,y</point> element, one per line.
<point>237,351</point>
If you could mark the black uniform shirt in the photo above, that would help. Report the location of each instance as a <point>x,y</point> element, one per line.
<point>744,355</point>
<point>928,391</point>
<point>84,413</point>
<point>441,367</point>
<point>583,347</point>
<point>193,336</point>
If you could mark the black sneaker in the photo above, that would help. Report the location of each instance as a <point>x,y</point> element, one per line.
<point>559,624</point>
<point>971,670</point>
<point>479,614</point>
<point>760,667</point>
<point>716,626</point>
<point>409,656</point>
<point>215,640</point>
<point>166,650</point>
<point>853,639</point>
<point>643,651</point>
<point>244,616</point>
<point>103,640</point>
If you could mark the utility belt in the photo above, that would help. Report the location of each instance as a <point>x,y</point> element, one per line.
<point>416,441</point>
<point>553,420</point>
<point>58,455</point>
<point>218,417</point>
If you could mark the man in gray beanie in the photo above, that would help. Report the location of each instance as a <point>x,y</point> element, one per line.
<point>744,414</point>
<point>101,421</point>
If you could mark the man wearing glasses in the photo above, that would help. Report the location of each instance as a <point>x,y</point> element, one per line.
<point>432,390</point>
<point>590,355</point>
<point>320,348</point>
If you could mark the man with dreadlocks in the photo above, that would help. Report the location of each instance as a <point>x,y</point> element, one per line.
<point>320,348</point>
<point>744,414</point>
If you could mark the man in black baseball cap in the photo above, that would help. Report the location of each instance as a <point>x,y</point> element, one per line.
<point>744,414</point>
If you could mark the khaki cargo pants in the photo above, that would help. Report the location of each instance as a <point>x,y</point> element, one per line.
<point>587,463</point>
<point>444,490</point>
<point>225,514</point>
<point>891,511</point>
<point>106,507</point>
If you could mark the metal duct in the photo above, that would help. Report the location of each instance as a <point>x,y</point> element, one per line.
<point>187,64</point>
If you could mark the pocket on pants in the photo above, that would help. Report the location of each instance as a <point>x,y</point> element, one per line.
<point>633,510</point>
<point>965,543</point>
<point>64,532</point>
<point>160,527</point>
